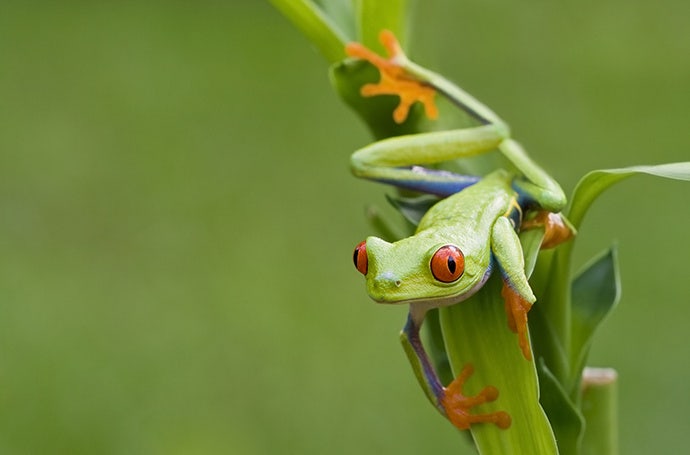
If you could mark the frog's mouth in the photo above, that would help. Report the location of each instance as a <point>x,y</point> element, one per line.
<point>386,283</point>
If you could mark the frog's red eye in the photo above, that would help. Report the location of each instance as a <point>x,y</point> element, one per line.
<point>447,264</point>
<point>360,258</point>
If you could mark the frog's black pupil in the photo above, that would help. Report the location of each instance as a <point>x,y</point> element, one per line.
<point>451,264</point>
<point>355,255</point>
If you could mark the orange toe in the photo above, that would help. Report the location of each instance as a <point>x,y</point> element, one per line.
<point>458,406</point>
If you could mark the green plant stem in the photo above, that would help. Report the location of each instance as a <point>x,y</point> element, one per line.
<point>374,16</point>
<point>600,409</point>
<point>316,26</point>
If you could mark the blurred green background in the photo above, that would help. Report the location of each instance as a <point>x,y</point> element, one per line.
<point>177,220</point>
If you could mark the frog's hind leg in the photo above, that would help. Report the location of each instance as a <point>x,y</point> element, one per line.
<point>433,181</point>
<point>539,192</point>
<point>537,188</point>
<point>557,228</point>
<point>402,161</point>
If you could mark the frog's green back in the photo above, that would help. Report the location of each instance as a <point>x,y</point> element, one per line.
<point>472,211</point>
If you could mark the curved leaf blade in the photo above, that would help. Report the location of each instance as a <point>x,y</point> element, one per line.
<point>531,246</point>
<point>341,12</point>
<point>596,182</point>
<point>594,293</point>
<point>567,421</point>
<point>412,208</point>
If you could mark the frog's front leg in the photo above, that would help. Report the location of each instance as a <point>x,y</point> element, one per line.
<point>450,401</point>
<point>517,293</point>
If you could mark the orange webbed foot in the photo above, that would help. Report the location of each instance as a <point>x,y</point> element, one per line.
<point>556,230</point>
<point>458,406</point>
<point>394,79</point>
<point>516,310</point>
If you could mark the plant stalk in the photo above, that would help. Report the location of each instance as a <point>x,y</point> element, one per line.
<point>600,409</point>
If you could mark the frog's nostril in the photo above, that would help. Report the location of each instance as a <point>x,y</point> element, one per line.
<point>388,280</point>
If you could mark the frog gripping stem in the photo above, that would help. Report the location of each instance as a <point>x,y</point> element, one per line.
<point>516,310</point>
<point>394,79</point>
<point>451,401</point>
<point>457,405</point>
<point>556,228</point>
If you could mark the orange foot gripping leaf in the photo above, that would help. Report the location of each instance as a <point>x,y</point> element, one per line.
<point>458,406</point>
<point>394,79</point>
<point>517,309</point>
<point>556,229</point>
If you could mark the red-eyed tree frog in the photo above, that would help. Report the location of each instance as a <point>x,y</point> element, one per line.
<point>462,239</point>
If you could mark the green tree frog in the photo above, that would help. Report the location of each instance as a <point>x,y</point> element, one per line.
<point>463,238</point>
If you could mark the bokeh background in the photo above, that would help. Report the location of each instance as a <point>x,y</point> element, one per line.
<point>177,220</point>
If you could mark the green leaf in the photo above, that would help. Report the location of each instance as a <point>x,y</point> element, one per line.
<point>555,275</point>
<point>435,346</point>
<point>531,245</point>
<point>594,183</point>
<point>412,208</point>
<point>384,227</point>
<point>316,26</point>
<point>476,331</point>
<point>374,16</point>
<point>566,420</point>
<point>595,292</point>
<point>341,12</point>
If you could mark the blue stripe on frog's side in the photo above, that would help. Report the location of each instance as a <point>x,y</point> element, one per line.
<point>452,183</point>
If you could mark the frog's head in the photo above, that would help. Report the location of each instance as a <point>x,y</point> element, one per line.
<point>420,270</point>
